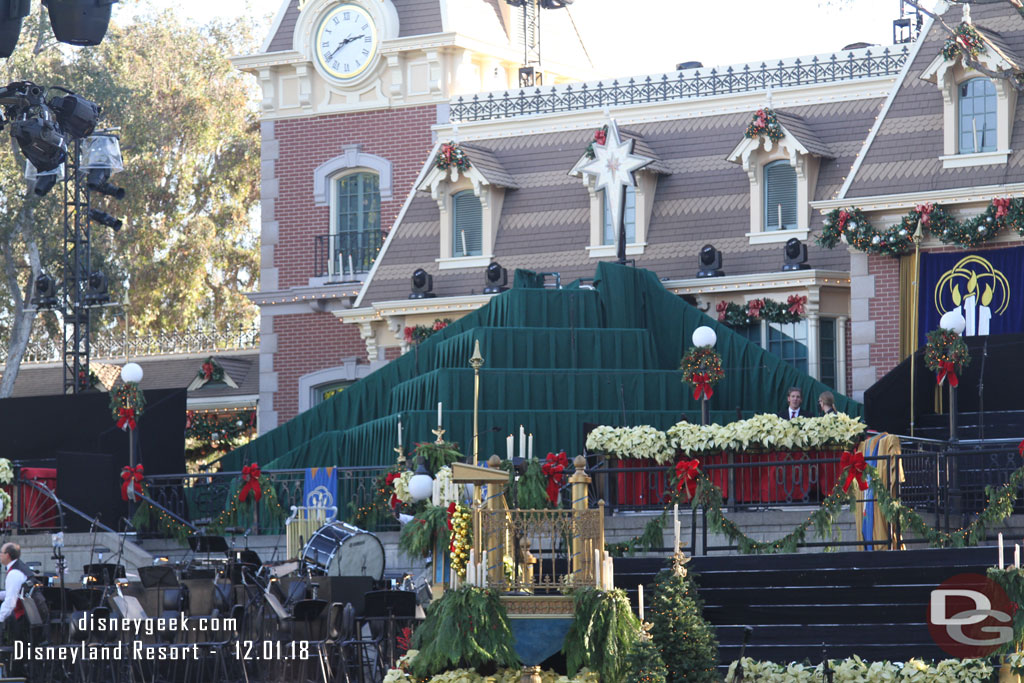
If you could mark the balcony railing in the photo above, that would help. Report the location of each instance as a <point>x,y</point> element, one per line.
<point>681,85</point>
<point>345,255</point>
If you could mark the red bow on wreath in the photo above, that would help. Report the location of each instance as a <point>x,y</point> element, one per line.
<point>600,136</point>
<point>947,369</point>
<point>701,385</point>
<point>128,476</point>
<point>754,307</point>
<point>1002,207</point>
<point>722,308</point>
<point>390,481</point>
<point>553,468</point>
<point>446,152</point>
<point>126,419</point>
<point>855,463</point>
<point>762,118</point>
<point>686,475</point>
<point>207,371</point>
<point>796,304</point>
<point>1020,448</point>
<point>844,216</point>
<point>925,211</point>
<point>251,482</point>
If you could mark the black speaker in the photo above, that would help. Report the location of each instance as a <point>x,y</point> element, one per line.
<point>11,14</point>
<point>79,22</point>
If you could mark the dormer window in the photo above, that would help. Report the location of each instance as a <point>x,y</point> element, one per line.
<point>608,235</point>
<point>977,108</point>
<point>467,224</point>
<point>780,196</point>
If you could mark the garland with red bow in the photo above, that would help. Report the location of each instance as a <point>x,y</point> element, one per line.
<point>702,369</point>
<point>131,482</point>
<point>965,40</point>
<point>600,136</point>
<point>854,465</point>
<point>686,472</point>
<point>419,333</point>
<point>854,227</point>
<point>946,355</point>
<point>251,483</point>
<point>764,123</point>
<point>452,155</point>
<point>126,405</point>
<point>211,370</point>
<point>735,315</point>
<point>554,468</point>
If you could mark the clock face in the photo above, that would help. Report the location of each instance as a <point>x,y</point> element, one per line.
<point>346,41</point>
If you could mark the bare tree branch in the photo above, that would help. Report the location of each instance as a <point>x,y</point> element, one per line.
<point>24,316</point>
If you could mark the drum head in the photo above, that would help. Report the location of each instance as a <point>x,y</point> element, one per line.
<point>339,549</point>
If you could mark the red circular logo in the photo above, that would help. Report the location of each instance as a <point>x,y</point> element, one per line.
<point>970,615</point>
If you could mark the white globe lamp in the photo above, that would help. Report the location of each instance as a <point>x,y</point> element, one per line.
<point>953,321</point>
<point>421,486</point>
<point>131,373</point>
<point>704,336</point>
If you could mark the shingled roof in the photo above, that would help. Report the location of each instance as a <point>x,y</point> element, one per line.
<point>804,132</point>
<point>489,166</point>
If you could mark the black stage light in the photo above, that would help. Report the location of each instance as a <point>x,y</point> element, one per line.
<point>97,179</point>
<point>79,22</point>
<point>795,255</point>
<point>76,115</point>
<point>46,292</point>
<point>41,141</point>
<point>44,183</point>
<point>96,291</point>
<point>422,285</point>
<point>11,14</point>
<point>104,218</point>
<point>496,279</point>
<point>710,262</point>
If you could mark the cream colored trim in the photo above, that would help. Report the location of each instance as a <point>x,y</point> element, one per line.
<point>777,236</point>
<point>464,262</point>
<point>760,281</point>
<point>999,157</point>
<point>223,402</point>
<point>910,199</point>
<point>608,250</point>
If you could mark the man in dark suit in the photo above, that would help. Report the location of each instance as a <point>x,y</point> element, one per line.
<point>795,397</point>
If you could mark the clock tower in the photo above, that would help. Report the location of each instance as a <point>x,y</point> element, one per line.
<point>350,92</point>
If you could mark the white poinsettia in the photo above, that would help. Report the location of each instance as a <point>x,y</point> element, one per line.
<point>632,442</point>
<point>448,492</point>
<point>402,487</point>
<point>6,471</point>
<point>5,504</point>
<point>856,670</point>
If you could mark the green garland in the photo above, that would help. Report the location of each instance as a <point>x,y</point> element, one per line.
<point>734,315</point>
<point>604,630</point>
<point>467,627</point>
<point>764,122</point>
<point>531,489</point>
<point>437,455</point>
<point>897,239</point>
<point>651,537</point>
<point>419,537</point>
<point>451,155</point>
<point>965,38</point>
<point>419,333</point>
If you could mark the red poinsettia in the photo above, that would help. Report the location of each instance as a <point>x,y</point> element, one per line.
<point>553,468</point>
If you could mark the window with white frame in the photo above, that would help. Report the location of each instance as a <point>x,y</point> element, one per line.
<point>780,202</point>
<point>608,235</point>
<point>976,105</point>
<point>355,223</point>
<point>467,224</point>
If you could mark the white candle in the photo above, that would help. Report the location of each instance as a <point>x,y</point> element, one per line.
<point>640,594</point>
<point>465,252</point>
<point>597,567</point>
<point>351,270</point>
<point>509,446</point>
<point>522,442</point>
<point>1016,555</point>
<point>1000,549</point>
<point>439,414</point>
<point>485,572</point>
<point>780,216</point>
<point>675,527</point>
<point>399,432</point>
<point>471,567</point>
<point>529,448</point>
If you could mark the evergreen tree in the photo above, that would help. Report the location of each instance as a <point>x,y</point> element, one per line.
<point>686,641</point>
<point>644,663</point>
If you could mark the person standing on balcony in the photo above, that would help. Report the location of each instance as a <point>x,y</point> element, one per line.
<point>794,397</point>
<point>827,403</point>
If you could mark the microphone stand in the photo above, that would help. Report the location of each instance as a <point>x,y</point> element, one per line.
<point>827,671</point>
<point>738,678</point>
<point>58,554</point>
<point>981,390</point>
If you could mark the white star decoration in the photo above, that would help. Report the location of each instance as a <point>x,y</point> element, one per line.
<point>613,166</point>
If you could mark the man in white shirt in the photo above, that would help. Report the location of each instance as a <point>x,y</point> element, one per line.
<point>17,573</point>
<point>795,398</point>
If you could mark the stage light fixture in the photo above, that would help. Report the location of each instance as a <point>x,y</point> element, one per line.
<point>97,181</point>
<point>41,141</point>
<point>45,292</point>
<point>96,291</point>
<point>710,262</point>
<point>422,285</point>
<point>11,14</point>
<point>42,183</point>
<point>795,255</point>
<point>79,22</point>
<point>104,218</point>
<point>495,279</point>
<point>76,115</point>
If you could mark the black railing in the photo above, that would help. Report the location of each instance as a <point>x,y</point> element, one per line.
<point>682,85</point>
<point>345,255</point>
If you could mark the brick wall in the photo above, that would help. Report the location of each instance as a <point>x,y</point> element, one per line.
<point>402,136</point>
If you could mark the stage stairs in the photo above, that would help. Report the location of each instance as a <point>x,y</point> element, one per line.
<point>872,604</point>
<point>992,424</point>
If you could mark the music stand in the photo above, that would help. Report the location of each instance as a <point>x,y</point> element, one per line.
<point>208,544</point>
<point>105,574</point>
<point>387,606</point>
<point>159,577</point>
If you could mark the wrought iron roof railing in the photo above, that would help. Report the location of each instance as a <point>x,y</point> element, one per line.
<point>681,85</point>
<point>115,346</point>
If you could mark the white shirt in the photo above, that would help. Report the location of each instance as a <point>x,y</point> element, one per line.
<point>12,589</point>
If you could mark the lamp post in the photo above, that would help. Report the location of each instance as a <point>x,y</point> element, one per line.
<point>477,362</point>
<point>131,373</point>
<point>704,336</point>
<point>952,321</point>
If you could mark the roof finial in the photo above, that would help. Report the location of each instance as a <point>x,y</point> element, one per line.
<point>455,132</point>
<point>967,14</point>
<point>768,97</point>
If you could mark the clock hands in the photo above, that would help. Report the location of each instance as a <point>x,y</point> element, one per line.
<point>343,44</point>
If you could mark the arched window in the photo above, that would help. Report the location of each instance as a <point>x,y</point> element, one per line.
<point>467,224</point>
<point>355,226</point>
<point>977,107</point>
<point>608,234</point>
<point>779,196</point>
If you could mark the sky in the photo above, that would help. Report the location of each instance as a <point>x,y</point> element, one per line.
<point>651,36</point>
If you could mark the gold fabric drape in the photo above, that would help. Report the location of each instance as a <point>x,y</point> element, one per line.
<point>890,470</point>
<point>908,305</point>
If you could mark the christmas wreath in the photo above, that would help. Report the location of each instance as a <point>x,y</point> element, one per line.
<point>452,155</point>
<point>946,355</point>
<point>211,371</point>
<point>735,315</point>
<point>419,333</point>
<point>965,39</point>
<point>126,405</point>
<point>702,369</point>
<point>764,123</point>
<point>600,136</point>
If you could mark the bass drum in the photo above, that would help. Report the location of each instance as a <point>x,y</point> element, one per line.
<point>339,549</point>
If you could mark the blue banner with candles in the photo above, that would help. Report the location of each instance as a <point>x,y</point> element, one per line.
<point>982,285</point>
<point>321,488</point>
